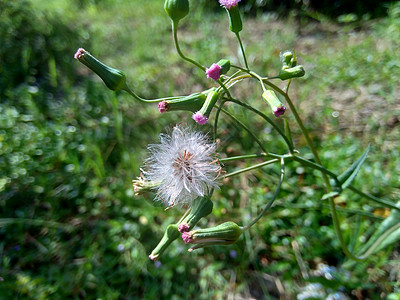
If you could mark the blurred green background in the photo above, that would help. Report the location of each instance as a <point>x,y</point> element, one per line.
<point>70,226</point>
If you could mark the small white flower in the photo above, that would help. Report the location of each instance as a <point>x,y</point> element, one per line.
<point>182,167</point>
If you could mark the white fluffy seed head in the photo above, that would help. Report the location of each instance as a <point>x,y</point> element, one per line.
<point>183,166</point>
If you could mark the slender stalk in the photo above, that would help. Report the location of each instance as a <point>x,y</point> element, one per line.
<point>178,49</point>
<point>134,95</point>
<point>302,128</point>
<point>266,118</point>
<point>269,204</point>
<point>242,157</point>
<point>245,128</point>
<point>217,118</point>
<point>249,168</point>
<point>242,49</point>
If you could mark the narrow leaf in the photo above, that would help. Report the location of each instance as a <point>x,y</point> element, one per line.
<point>347,177</point>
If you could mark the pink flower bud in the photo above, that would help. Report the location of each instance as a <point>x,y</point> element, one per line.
<point>228,3</point>
<point>162,106</point>
<point>214,71</point>
<point>183,227</point>
<point>200,118</point>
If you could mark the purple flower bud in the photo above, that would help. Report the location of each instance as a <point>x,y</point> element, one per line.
<point>162,106</point>
<point>228,3</point>
<point>200,118</point>
<point>214,71</point>
<point>183,227</point>
<point>187,237</point>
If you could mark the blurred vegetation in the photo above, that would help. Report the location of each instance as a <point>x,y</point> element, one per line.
<point>70,226</point>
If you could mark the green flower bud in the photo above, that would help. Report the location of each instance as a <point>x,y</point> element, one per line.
<point>297,71</point>
<point>170,235</point>
<point>201,207</point>
<point>192,103</point>
<point>276,105</point>
<point>288,59</point>
<point>224,234</point>
<point>201,117</point>
<point>225,65</point>
<point>176,9</point>
<point>114,79</point>
<point>235,21</point>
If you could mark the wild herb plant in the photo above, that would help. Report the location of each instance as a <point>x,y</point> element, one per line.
<point>185,170</point>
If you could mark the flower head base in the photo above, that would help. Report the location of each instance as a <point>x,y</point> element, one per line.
<point>192,102</point>
<point>276,105</point>
<point>224,234</point>
<point>200,118</point>
<point>229,3</point>
<point>214,71</point>
<point>114,79</point>
<point>183,165</point>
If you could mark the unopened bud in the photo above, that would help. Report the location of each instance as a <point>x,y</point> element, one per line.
<point>201,116</point>
<point>297,71</point>
<point>170,235</point>
<point>276,105</point>
<point>224,234</point>
<point>225,65</point>
<point>114,79</point>
<point>288,59</point>
<point>192,103</point>
<point>176,9</point>
<point>201,207</point>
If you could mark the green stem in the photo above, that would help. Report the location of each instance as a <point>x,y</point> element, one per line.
<point>269,204</point>
<point>242,157</point>
<point>266,118</point>
<point>242,49</point>
<point>134,95</point>
<point>249,168</point>
<point>245,128</point>
<point>302,128</point>
<point>178,49</point>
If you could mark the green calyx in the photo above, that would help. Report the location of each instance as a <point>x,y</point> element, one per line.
<point>170,235</point>
<point>288,59</point>
<point>210,102</point>
<point>114,79</point>
<point>224,234</point>
<point>225,65</point>
<point>272,99</point>
<point>297,71</point>
<point>176,9</point>
<point>201,207</point>
<point>235,21</point>
<point>192,103</point>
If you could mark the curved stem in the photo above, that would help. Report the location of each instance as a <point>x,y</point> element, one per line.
<point>245,128</point>
<point>269,204</point>
<point>302,128</point>
<point>134,95</point>
<point>178,49</point>
<point>266,118</point>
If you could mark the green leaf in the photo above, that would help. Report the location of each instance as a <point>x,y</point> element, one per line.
<point>347,177</point>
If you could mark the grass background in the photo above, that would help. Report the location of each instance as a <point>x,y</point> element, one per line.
<point>69,149</point>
